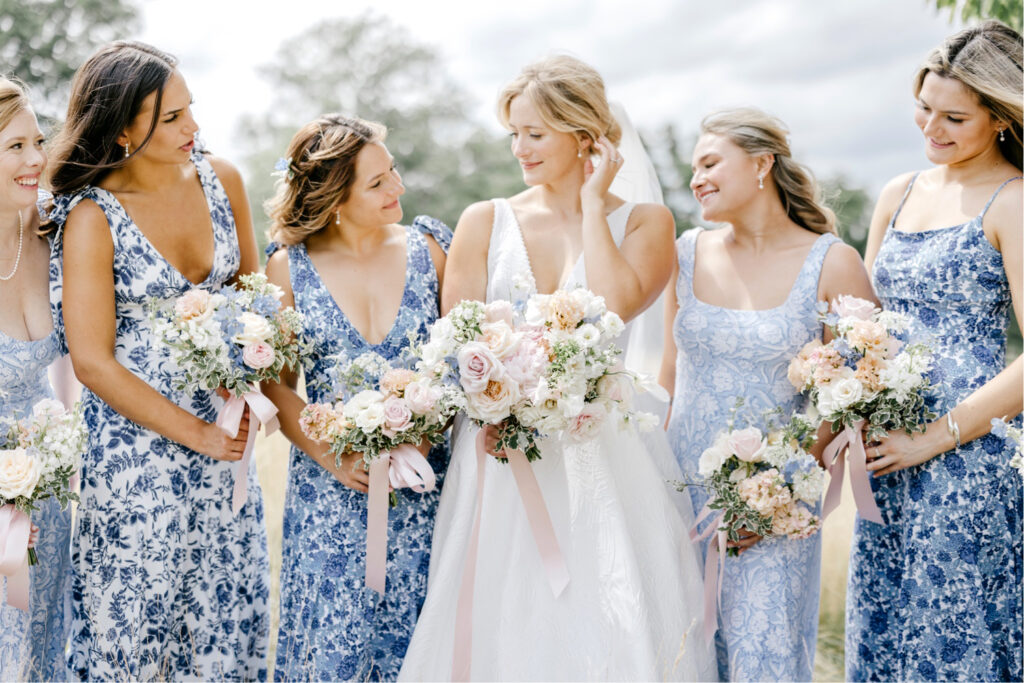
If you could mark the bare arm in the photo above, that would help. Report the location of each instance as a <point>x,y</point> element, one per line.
<point>632,276</point>
<point>231,179</point>
<point>1001,395</point>
<point>465,272</point>
<point>667,374</point>
<point>290,404</point>
<point>90,321</point>
<point>65,385</point>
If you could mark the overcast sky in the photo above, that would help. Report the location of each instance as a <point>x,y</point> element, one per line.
<point>837,72</point>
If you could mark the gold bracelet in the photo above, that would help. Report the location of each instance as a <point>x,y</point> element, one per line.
<point>953,428</point>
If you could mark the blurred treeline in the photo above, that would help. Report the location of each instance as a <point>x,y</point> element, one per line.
<point>370,67</point>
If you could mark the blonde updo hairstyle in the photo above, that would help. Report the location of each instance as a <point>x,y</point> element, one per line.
<point>321,170</point>
<point>569,96</point>
<point>986,59</point>
<point>13,100</point>
<point>757,133</point>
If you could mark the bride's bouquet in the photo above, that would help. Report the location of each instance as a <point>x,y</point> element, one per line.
<point>550,369</point>
<point>39,455</point>
<point>233,338</point>
<point>866,382</point>
<point>764,481</point>
<point>391,410</point>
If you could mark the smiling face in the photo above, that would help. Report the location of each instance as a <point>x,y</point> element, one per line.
<point>956,127</point>
<point>174,135</point>
<point>373,197</point>
<point>22,160</point>
<point>544,154</point>
<point>724,177</point>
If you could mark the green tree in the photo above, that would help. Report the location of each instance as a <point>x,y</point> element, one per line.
<point>1010,12</point>
<point>853,207</point>
<point>371,68</point>
<point>42,42</point>
<point>670,156</point>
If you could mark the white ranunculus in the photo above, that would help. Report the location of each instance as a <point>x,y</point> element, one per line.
<point>587,335</point>
<point>612,324</point>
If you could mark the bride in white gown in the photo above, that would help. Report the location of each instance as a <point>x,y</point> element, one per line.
<point>632,609</point>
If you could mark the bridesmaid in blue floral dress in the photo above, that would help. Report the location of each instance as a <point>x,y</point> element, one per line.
<point>365,285</point>
<point>936,593</point>
<point>168,583</point>
<point>31,643</point>
<point>746,298</point>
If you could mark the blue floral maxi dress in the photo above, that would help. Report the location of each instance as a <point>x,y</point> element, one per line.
<point>768,621</point>
<point>167,582</point>
<point>332,625</point>
<point>936,594</point>
<point>32,643</point>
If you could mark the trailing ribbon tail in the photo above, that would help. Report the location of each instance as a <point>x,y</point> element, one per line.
<point>261,410</point>
<point>852,438</point>
<point>15,528</point>
<point>712,578</point>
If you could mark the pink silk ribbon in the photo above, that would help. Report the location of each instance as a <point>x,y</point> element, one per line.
<point>543,535</point>
<point>712,574</point>
<point>15,528</point>
<point>853,438</point>
<point>404,467</point>
<point>261,410</point>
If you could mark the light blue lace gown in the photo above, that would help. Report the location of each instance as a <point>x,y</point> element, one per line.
<point>167,582</point>
<point>332,626</point>
<point>32,643</point>
<point>936,594</point>
<point>768,621</point>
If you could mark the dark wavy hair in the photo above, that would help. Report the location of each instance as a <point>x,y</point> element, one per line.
<point>106,95</point>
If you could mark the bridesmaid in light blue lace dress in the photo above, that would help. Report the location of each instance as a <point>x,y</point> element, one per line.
<point>346,267</point>
<point>936,594</point>
<point>31,643</point>
<point>168,583</point>
<point>746,297</point>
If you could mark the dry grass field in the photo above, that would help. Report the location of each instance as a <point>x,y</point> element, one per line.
<point>272,459</point>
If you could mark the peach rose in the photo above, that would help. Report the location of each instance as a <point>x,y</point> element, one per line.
<point>194,304</point>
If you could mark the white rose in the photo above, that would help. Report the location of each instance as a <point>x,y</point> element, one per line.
<point>846,392</point>
<point>499,338</point>
<point>256,328</point>
<point>587,335</point>
<point>19,473</point>
<point>495,402</point>
<point>365,410</point>
<point>712,459</point>
<point>442,332</point>
<point>612,324</point>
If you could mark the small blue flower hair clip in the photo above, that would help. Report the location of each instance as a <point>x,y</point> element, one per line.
<point>283,169</point>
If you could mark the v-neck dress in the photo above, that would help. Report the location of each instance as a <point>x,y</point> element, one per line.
<point>167,582</point>
<point>332,626</point>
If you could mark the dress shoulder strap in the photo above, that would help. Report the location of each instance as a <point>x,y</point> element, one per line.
<point>805,290</point>
<point>903,199</point>
<point>996,193</point>
<point>686,251</point>
<point>436,229</point>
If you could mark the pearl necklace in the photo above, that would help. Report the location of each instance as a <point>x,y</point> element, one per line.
<point>17,259</point>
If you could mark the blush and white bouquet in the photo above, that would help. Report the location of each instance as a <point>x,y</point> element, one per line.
<point>389,413</point>
<point>39,455</point>
<point>764,481</point>
<point>1012,434</point>
<point>232,338</point>
<point>866,382</point>
<point>387,407</point>
<point>865,373</point>
<point>549,367</point>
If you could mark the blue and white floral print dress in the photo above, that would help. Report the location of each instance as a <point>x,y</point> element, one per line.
<point>32,643</point>
<point>167,582</point>
<point>936,593</point>
<point>768,621</point>
<point>332,626</point>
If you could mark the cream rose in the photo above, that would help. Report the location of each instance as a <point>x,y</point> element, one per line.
<point>19,473</point>
<point>194,304</point>
<point>499,311</point>
<point>494,403</point>
<point>258,355</point>
<point>499,338</point>
<point>255,328</point>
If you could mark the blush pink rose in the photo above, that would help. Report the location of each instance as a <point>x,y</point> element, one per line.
<point>499,311</point>
<point>587,423</point>
<point>853,307</point>
<point>421,397</point>
<point>397,416</point>
<point>195,303</point>
<point>258,355</point>
<point>526,365</point>
<point>477,365</point>
<point>748,444</point>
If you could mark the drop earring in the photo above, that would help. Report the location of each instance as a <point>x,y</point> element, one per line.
<point>126,152</point>
<point>579,154</point>
<point>337,217</point>
<point>760,182</point>
<point>1002,135</point>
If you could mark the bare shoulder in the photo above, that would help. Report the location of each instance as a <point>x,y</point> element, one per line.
<point>1005,217</point>
<point>87,222</point>
<point>279,273</point>
<point>842,260</point>
<point>653,218</point>
<point>890,196</point>
<point>229,175</point>
<point>475,223</point>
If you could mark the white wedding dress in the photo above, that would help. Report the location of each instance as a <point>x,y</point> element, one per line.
<point>634,603</point>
